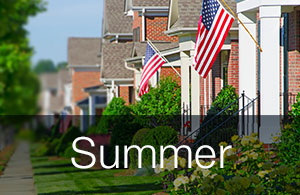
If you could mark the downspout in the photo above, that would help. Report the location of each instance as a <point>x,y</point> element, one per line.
<point>143,24</point>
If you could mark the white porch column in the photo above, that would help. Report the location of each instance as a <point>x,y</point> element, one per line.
<point>247,66</point>
<point>185,82</point>
<point>195,97</point>
<point>247,55</point>
<point>92,109</point>
<point>269,71</point>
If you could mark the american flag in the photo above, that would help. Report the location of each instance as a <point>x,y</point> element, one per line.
<point>214,25</point>
<point>153,62</point>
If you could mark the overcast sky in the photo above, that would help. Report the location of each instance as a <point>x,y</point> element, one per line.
<point>49,31</point>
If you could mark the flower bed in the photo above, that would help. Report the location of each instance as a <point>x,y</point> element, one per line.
<point>249,169</point>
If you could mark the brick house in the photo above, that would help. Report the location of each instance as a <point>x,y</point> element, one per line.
<point>84,61</point>
<point>150,19</point>
<point>117,44</point>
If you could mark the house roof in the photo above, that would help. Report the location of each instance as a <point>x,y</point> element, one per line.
<point>189,13</point>
<point>114,20</point>
<point>84,51</point>
<point>64,76</point>
<point>113,65</point>
<point>49,80</point>
<point>140,47</point>
<point>150,3</point>
<point>56,103</point>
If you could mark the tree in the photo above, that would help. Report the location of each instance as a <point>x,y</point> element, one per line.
<point>44,66</point>
<point>61,65</point>
<point>19,86</point>
<point>161,105</point>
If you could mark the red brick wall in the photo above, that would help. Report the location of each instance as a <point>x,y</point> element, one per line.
<point>124,93</point>
<point>82,80</point>
<point>137,22</point>
<point>294,52</point>
<point>155,27</point>
<point>233,65</point>
<point>168,71</point>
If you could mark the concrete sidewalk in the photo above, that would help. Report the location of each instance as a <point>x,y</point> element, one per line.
<point>18,177</point>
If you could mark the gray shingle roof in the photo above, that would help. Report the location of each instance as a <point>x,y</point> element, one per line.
<point>150,3</point>
<point>140,47</point>
<point>84,51</point>
<point>48,80</point>
<point>114,20</point>
<point>189,13</point>
<point>113,65</point>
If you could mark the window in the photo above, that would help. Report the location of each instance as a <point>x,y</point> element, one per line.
<point>136,34</point>
<point>224,66</point>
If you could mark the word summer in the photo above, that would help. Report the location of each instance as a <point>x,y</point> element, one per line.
<point>198,157</point>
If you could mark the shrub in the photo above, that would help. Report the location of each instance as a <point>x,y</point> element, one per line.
<point>224,98</point>
<point>137,140</point>
<point>119,120</point>
<point>248,169</point>
<point>295,112</point>
<point>69,152</point>
<point>159,136</point>
<point>67,138</point>
<point>160,106</point>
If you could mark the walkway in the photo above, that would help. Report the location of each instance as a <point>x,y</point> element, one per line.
<point>18,177</point>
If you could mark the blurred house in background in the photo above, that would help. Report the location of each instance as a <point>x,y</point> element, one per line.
<point>84,63</point>
<point>54,95</point>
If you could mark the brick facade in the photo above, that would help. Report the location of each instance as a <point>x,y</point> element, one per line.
<point>124,93</point>
<point>81,80</point>
<point>294,51</point>
<point>155,27</point>
<point>233,66</point>
<point>169,72</point>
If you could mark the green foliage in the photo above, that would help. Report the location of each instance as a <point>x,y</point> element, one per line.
<point>118,119</point>
<point>61,65</point>
<point>295,113</point>
<point>159,136</point>
<point>69,152</point>
<point>19,87</point>
<point>160,105</point>
<point>44,66</point>
<point>248,169</point>
<point>137,140</point>
<point>224,98</point>
<point>67,139</point>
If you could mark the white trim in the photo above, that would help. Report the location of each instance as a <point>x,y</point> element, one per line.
<point>250,5</point>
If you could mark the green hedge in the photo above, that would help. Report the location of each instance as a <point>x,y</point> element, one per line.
<point>137,140</point>
<point>67,139</point>
<point>159,136</point>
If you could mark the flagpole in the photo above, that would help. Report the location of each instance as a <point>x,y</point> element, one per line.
<point>243,26</point>
<point>153,46</point>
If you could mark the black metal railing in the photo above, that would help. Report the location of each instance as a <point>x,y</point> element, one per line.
<point>222,126</point>
<point>288,100</point>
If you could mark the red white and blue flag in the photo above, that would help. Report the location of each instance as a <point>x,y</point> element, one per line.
<point>214,25</point>
<point>153,61</point>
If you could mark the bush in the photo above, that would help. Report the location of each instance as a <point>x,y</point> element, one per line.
<point>119,120</point>
<point>137,140</point>
<point>160,106</point>
<point>248,169</point>
<point>295,113</point>
<point>224,98</point>
<point>69,152</point>
<point>67,139</point>
<point>159,136</point>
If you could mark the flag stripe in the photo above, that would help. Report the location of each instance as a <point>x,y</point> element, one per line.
<point>214,25</point>
<point>219,49</point>
<point>216,37</point>
<point>216,50</point>
<point>208,41</point>
<point>153,61</point>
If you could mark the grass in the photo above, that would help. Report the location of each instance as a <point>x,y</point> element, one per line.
<point>58,176</point>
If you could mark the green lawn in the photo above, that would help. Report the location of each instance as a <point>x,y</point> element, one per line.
<point>61,177</point>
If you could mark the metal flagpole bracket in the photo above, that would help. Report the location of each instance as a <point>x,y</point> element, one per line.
<point>153,47</point>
